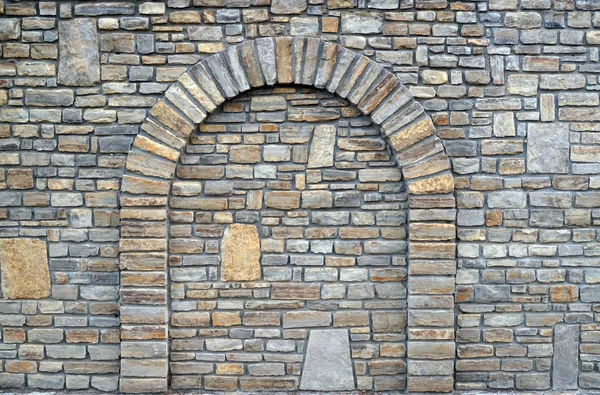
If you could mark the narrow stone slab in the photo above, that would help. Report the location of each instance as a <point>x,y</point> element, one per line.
<point>240,253</point>
<point>565,362</point>
<point>322,147</point>
<point>24,267</point>
<point>79,61</point>
<point>328,366</point>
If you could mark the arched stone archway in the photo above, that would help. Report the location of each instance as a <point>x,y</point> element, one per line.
<point>263,62</point>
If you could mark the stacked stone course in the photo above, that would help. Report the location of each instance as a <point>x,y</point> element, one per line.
<point>282,195</point>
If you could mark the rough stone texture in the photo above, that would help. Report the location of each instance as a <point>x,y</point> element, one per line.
<point>78,49</point>
<point>113,177</point>
<point>565,360</point>
<point>548,148</point>
<point>24,269</point>
<point>327,366</point>
<point>240,253</point>
<point>322,147</point>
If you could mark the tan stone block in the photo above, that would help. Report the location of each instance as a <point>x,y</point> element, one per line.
<point>301,291</point>
<point>216,383</point>
<point>412,134</point>
<point>329,24</point>
<point>431,285</point>
<point>24,268</point>
<point>81,335</point>
<point>283,48</point>
<point>351,318</point>
<point>443,183</point>
<point>240,253</point>
<point>190,319</point>
<point>422,231</point>
<point>140,386</point>
<point>151,146</point>
<point>225,319</point>
<point>171,119</point>
<point>564,293</point>
<point>268,383</point>
<point>432,250</point>
<point>144,332</point>
<point>261,318</point>
<point>20,366</point>
<point>232,369</point>
<point>245,154</point>
<point>431,350</point>
<point>19,178</point>
<point>283,200</point>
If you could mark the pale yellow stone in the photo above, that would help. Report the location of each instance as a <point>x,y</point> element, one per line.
<point>442,183</point>
<point>240,253</point>
<point>412,134</point>
<point>24,266</point>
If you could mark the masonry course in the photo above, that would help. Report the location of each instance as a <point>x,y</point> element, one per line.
<point>205,193</point>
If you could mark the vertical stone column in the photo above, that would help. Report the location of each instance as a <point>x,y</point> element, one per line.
<point>432,255</point>
<point>144,315</point>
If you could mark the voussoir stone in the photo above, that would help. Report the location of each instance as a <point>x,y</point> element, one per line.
<point>240,253</point>
<point>24,268</point>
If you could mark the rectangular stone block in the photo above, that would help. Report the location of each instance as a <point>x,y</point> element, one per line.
<point>547,148</point>
<point>24,268</point>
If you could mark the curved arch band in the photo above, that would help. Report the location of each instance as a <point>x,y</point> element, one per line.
<point>378,93</point>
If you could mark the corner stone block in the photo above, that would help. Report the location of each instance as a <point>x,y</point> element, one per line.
<point>24,268</point>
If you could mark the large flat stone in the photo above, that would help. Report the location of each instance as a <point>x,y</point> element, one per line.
<point>322,147</point>
<point>328,366</point>
<point>24,267</point>
<point>548,148</point>
<point>565,361</point>
<point>240,253</point>
<point>79,61</point>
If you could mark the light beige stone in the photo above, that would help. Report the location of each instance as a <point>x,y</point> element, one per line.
<point>322,147</point>
<point>240,253</point>
<point>24,265</point>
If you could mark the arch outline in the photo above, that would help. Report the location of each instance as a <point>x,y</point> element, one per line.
<point>379,94</point>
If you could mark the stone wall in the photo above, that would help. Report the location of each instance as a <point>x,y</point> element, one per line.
<point>217,194</point>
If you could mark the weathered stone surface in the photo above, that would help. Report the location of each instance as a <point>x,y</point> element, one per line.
<point>328,366</point>
<point>24,267</point>
<point>322,147</point>
<point>565,359</point>
<point>240,253</point>
<point>547,148</point>
<point>288,6</point>
<point>78,48</point>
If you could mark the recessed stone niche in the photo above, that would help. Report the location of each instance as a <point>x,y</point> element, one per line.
<point>24,269</point>
<point>240,254</point>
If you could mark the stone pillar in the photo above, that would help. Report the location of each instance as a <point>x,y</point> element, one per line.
<point>432,254</point>
<point>144,316</point>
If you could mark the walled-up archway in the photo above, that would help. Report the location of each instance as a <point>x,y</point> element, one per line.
<point>377,93</point>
